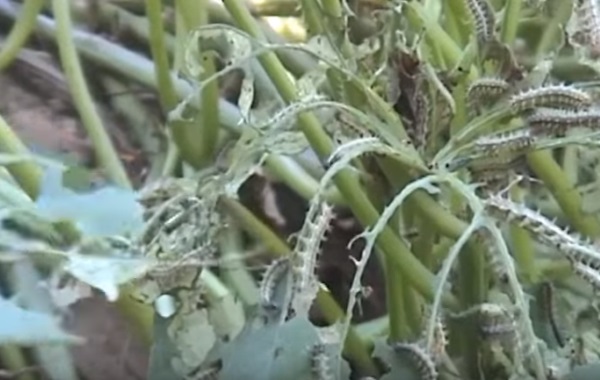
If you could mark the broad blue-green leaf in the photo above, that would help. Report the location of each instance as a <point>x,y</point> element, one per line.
<point>271,352</point>
<point>105,212</point>
<point>28,328</point>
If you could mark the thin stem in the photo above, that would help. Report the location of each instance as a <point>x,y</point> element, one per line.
<point>209,118</point>
<point>20,32</point>
<point>523,248</point>
<point>195,14</point>
<point>84,103</point>
<point>166,90</point>
<point>233,271</point>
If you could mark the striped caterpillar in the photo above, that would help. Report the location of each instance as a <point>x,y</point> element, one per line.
<point>273,276</point>
<point>306,250</point>
<point>421,358</point>
<point>484,19</point>
<point>556,122</point>
<point>559,96</point>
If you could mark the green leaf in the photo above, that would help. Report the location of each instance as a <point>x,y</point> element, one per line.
<point>105,212</point>
<point>28,328</point>
<point>271,352</point>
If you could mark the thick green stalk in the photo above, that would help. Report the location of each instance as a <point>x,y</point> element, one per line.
<point>27,174</point>
<point>209,116</point>
<point>234,272</point>
<point>387,241</point>
<point>20,32</point>
<point>396,306</point>
<point>166,90</point>
<point>510,21</point>
<point>457,16</point>
<point>353,346</point>
<point>523,248</point>
<point>292,174</point>
<point>567,196</point>
<point>82,99</point>
<point>312,15</point>
<point>180,130</point>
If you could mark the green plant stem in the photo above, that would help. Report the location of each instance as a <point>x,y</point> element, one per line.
<point>523,248</point>
<point>233,270</point>
<point>455,11</point>
<point>387,241</point>
<point>396,304</point>
<point>13,361</point>
<point>353,346</point>
<point>419,20</point>
<point>27,174</point>
<point>312,16</point>
<point>567,196</point>
<point>82,99</point>
<point>20,32</point>
<point>424,242</point>
<point>136,114</point>
<point>166,90</point>
<point>293,175</point>
<point>510,21</point>
<point>561,15</point>
<point>209,118</point>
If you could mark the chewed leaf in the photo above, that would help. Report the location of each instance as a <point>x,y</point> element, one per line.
<point>105,212</point>
<point>24,327</point>
<point>106,273</point>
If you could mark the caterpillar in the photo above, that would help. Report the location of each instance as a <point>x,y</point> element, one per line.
<point>273,276</point>
<point>556,122</point>
<point>486,90</point>
<point>320,365</point>
<point>559,96</point>
<point>549,307</point>
<point>484,19</point>
<point>422,360</point>
<point>308,243</point>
